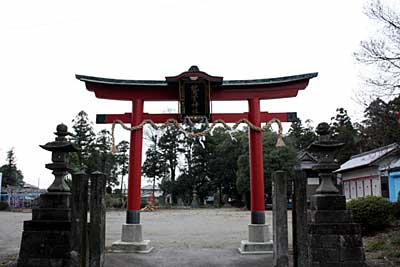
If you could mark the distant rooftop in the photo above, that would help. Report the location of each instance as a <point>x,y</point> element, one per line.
<point>150,187</point>
<point>367,158</point>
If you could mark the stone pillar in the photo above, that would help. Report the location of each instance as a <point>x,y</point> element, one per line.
<point>299,220</point>
<point>280,223</point>
<point>195,202</point>
<point>97,228</point>
<point>260,241</point>
<point>334,239</point>
<point>46,239</point>
<point>79,217</point>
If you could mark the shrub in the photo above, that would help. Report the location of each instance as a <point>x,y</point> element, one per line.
<point>372,212</point>
<point>396,210</point>
<point>3,205</point>
<point>113,201</point>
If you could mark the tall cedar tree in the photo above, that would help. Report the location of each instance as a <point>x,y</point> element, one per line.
<point>103,160</point>
<point>154,166</point>
<point>274,159</point>
<point>344,132</point>
<point>169,145</point>
<point>380,126</point>
<point>224,152</point>
<point>193,174</point>
<point>83,137</point>
<point>300,136</point>
<point>11,175</point>
<point>122,161</point>
<point>170,148</point>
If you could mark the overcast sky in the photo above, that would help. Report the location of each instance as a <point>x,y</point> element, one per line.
<point>45,43</point>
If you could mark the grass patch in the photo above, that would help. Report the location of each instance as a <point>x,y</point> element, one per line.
<point>384,245</point>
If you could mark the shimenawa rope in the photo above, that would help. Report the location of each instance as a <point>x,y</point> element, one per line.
<point>174,122</point>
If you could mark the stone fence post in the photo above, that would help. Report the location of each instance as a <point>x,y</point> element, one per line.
<point>97,219</point>
<point>299,220</point>
<point>280,223</point>
<point>79,209</point>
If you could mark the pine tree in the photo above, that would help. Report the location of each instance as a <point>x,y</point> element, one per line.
<point>169,145</point>
<point>11,174</point>
<point>344,132</point>
<point>84,138</point>
<point>122,161</point>
<point>154,167</point>
<point>170,148</point>
<point>222,167</point>
<point>380,126</point>
<point>301,136</point>
<point>101,159</point>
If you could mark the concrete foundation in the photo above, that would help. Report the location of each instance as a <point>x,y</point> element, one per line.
<point>132,240</point>
<point>260,240</point>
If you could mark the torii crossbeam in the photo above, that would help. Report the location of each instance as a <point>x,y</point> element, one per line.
<point>195,90</point>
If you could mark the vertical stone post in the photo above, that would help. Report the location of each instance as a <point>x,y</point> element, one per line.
<point>334,239</point>
<point>97,219</point>
<point>280,223</point>
<point>260,240</point>
<point>79,211</point>
<point>299,220</point>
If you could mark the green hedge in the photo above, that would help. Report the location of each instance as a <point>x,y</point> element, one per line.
<point>396,210</point>
<point>114,201</point>
<point>373,213</point>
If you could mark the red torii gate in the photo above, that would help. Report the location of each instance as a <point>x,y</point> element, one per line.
<point>215,89</point>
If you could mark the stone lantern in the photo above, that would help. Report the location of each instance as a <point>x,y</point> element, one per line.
<point>46,239</point>
<point>333,238</point>
<point>60,149</point>
<point>326,150</point>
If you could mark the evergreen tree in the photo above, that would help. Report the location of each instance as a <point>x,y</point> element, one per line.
<point>170,148</point>
<point>169,145</point>
<point>154,166</point>
<point>185,183</point>
<point>380,126</point>
<point>344,132</point>
<point>223,156</point>
<point>274,159</point>
<point>194,170</point>
<point>84,138</point>
<point>301,136</point>
<point>122,161</point>
<point>101,158</point>
<point>11,174</point>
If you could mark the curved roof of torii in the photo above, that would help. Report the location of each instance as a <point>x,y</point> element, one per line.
<point>120,89</point>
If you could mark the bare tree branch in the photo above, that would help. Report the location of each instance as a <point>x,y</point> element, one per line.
<point>381,54</point>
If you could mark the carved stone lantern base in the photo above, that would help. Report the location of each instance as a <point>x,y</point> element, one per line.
<point>46,238</point>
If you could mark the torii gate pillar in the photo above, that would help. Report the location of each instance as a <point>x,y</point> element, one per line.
<point>135,166</point>
<point>256,165</point>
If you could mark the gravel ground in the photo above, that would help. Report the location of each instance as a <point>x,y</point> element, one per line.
<point>200,237</point>
<point>188,228</point>
<point>181,237</point>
